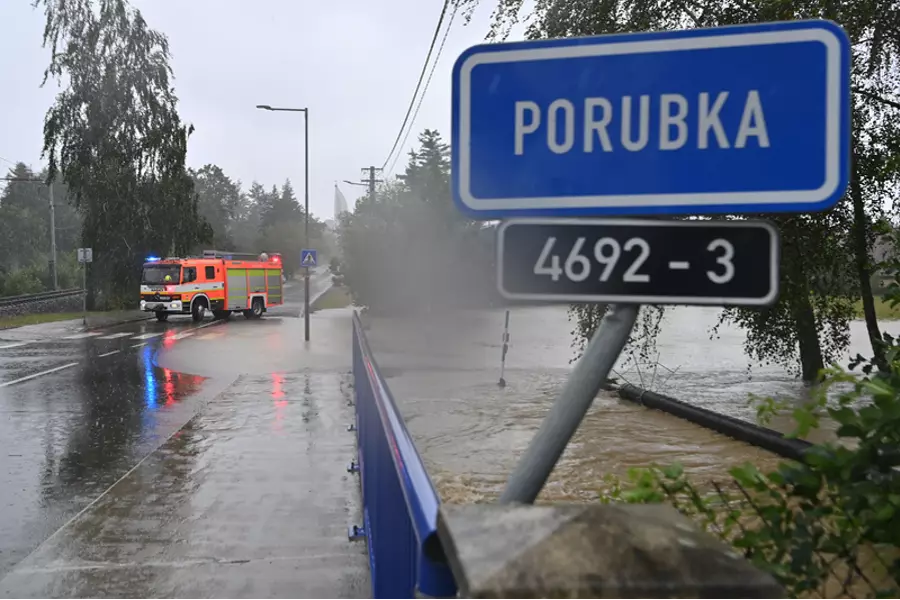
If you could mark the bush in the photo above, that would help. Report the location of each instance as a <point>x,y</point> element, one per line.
<point>828,526</point>
<point>22,281</point>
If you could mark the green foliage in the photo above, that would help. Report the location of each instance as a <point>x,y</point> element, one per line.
<point>641,344</point>
<point>831,522</point>
<point>22,281</point>
<point>219,200</point>
<point>410,248</point>
<point>258,220</point>
<point>114,136</point>
<point>25,232</point>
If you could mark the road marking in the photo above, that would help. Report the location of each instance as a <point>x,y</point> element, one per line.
<point>139,345</point>
<point>147,336</point>
<point>47,372</point>
<point>108,353</point>
<point>14,345</point>
<point>79,336</point>
<point>183,335</point>
<point>113,336</point>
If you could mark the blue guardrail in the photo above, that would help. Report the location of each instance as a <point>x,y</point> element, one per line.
<point>400,503</point>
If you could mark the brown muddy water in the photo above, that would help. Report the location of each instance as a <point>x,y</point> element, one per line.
<point>443,370</point>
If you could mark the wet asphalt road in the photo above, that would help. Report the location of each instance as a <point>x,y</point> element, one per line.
<point>80,410</point>
<point>76,413</point>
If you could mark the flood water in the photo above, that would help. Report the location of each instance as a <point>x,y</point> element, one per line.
<point>444,369</point>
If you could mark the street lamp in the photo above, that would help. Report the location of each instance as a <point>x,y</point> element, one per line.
<point>305,112</point>
<point>355,183</point>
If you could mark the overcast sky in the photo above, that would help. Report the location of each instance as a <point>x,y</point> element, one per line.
<point>354,63</point>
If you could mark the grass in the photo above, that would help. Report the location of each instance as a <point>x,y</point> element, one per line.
<point>883,310</point>
<point>20,320</point>
<point>336,297</point>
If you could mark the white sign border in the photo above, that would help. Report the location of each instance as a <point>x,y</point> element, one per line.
<point>833,123</point>
<point>767,300</point>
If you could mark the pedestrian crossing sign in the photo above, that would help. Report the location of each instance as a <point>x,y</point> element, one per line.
<point>308,258</point>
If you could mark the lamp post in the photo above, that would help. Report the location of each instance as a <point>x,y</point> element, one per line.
<point>305,112</point>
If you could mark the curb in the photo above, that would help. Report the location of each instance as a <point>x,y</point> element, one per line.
<point>114,323</point>
<point>312,301</point>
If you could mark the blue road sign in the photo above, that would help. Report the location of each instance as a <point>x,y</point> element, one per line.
<point>308,258</point>
<point>742,119</point>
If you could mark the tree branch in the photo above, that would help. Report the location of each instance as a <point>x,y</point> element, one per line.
<point>877,98</point>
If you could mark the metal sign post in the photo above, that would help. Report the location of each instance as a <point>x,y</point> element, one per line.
<point>565,415</point>
<point>502,382</point>
<point>85,256</point>
<point>731,120</point>
<point>309,258</point>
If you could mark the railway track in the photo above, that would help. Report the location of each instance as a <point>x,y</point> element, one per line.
<point>24,300</point>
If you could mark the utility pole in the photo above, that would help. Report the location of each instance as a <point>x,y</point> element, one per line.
<point>53,269</point>
<point>370,179</point>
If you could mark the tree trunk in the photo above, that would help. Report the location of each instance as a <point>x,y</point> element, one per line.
<point>811,362</point>
<point>861,251</point>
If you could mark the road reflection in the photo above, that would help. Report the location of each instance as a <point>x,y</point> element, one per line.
<point>71,435</point>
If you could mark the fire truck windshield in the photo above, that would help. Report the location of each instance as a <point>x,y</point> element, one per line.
<point>156,274</point>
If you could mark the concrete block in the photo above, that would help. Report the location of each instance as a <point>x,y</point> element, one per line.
<point>591,551</point>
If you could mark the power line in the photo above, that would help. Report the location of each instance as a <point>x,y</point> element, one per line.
<point>412,101</point>
<point>434,65</point>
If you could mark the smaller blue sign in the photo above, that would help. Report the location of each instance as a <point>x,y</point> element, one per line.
<point>742,119</point>
<point>308,258</point>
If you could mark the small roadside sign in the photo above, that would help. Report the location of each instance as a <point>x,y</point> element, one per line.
<point>85,255</point>
<point>740,119</point>
<point>308,258</point>
<point>639,261</point>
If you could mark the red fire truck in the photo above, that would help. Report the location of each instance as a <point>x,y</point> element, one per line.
<point>217,282</point>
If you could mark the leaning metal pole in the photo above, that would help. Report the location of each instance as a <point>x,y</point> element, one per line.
<point>306,223</point>
<point>583,385</point>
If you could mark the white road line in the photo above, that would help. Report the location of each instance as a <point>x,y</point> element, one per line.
<point>183,335</point>
<point>139,345</point>
<point>147,336</point>
<point>15,345</point>
<point>79,336</point>
<point>209,336</point>
<point>47,372</point>
<point>113,336</point>
<point>108,353</point>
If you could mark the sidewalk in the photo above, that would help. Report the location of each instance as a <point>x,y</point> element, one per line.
<point>250,499</point>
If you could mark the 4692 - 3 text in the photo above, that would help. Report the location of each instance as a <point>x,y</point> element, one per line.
<point>724,263</point>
